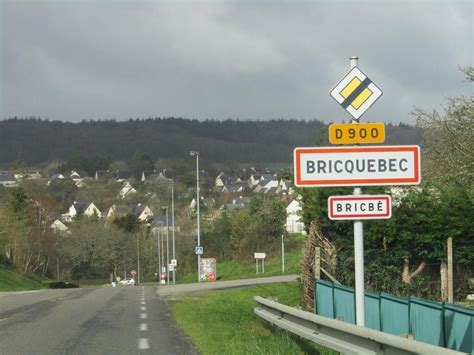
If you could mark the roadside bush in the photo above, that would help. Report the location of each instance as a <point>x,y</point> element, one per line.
<point>60,284</point>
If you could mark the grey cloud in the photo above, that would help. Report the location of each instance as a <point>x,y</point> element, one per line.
<point>254,59</point>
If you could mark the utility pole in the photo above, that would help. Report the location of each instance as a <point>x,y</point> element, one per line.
<point>194,153</point>
<point>167,248</point>
<point>158,249</point>
<point>172,222</point>
<point>138,257</point>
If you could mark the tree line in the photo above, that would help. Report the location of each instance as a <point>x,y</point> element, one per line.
<point>34,140</point>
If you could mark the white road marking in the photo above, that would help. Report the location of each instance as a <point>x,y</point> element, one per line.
<point>143,326</point>
<point>143,302</point>
<point>143,315</point>
<point>142,308</point>
<point>143,344</point>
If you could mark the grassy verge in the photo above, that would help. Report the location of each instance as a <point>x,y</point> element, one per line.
<point>223,322</point>
<point>12,280</point>
<point>234,270</point>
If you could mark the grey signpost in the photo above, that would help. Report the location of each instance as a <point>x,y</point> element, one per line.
<point>337,166</point>
<point>358,249</point>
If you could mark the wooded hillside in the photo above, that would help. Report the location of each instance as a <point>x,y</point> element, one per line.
<point>38,141</point>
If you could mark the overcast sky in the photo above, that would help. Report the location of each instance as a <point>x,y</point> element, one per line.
<point>74,60</point>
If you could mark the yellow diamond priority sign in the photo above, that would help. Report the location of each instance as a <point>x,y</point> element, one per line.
<point>356,92</point>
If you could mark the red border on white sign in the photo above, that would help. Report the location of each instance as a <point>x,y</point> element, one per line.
<point>413,151</point>
<point>385,214</point>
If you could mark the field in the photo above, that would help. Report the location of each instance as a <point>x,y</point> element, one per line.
<point>223,322</point>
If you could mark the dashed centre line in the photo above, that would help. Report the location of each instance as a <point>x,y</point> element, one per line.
<point>143,344</point>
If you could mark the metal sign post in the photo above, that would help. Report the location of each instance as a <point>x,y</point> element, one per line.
<point>358,248</point>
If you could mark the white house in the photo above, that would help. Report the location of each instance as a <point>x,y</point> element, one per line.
<point>111,212</point>
<point>8,180</point>
<point>399,193</point>
<point>294,221</point>
<point>87,209</point>
<point>126,190</point>
<point>59,227</point>
<point>54,177</point>
<point>143,212</point>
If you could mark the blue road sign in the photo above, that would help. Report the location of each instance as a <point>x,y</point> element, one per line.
<point>199,250</point>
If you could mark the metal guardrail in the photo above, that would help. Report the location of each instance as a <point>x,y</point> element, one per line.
<point>340,336</point>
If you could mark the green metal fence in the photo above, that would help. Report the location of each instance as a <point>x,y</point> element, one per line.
<point>440,324</point>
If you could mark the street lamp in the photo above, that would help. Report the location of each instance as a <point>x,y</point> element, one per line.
<point>172,222</point>
<point>167,247</point>
<point>158,232</point>
<point>194,153</point>
<point>171,182</point>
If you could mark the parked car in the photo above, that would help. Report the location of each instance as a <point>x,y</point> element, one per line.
<point>127,282</point>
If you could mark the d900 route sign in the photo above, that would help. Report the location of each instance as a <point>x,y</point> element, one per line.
<point>357,133</point>
<point>357,166</point>
<point>359,207</point>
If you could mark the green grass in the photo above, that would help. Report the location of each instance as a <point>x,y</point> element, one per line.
<point>235,270</point>
<point>12,280</point>
<point>223,322</point>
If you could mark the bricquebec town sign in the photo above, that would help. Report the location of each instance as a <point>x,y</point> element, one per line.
<point>357,166</point>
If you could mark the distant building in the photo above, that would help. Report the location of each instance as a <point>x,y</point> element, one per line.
<point>8,180</point>
<point>59,227</point>
<point>126,190</point>
<point>54,177</point>
<point>294,220</point>
<point>143,212</point>
<point>77,209</point>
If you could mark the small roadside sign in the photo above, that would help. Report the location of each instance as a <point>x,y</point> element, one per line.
<point>357,166</point>
<point>356,92</point>
<point>259,255</point>
<point>163,269</point>
<point>174,262</point>
<point>359,207</point>
<point>171,267</point>
<point>199,250</point>
<point>356,133</point>
<point>133,273</point>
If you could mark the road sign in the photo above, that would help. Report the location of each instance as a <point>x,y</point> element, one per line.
<point>199,250</point>
<point>259,255</point>
<point>133,273</point>
<point>357,166</point>
<point>163,269</point>
<point>356,133</point>
<point>356,92</point>
<point>174,262</point>
<point>170,267</point>
<point>359,207</point>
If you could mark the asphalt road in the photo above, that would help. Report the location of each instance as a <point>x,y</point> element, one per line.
<point>125,320</point>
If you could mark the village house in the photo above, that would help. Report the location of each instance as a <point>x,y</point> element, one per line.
<point>143,212</point>
<point>8,179</point>
<point>60,228</point>
<point>78,209</point>
<point>294,220</point>
<point>126,190</point>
